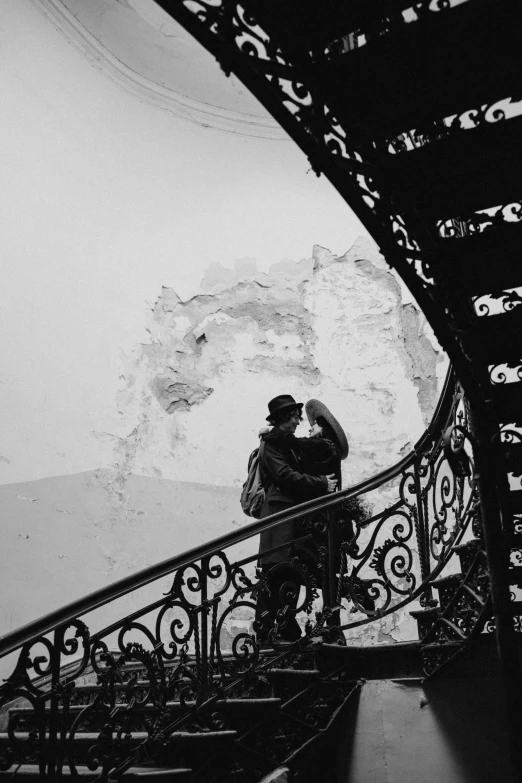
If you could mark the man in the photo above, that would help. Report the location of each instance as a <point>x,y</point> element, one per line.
<point>285,486</point>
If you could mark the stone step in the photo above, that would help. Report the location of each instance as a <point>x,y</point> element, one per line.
<point>515,576</point>
<point>279,775</point>
<point>293,674</point>
<point>467,552</point>
<point>180,748</point>
<point>466,262</point>
<point>413,178</point>
<point>474,544</point>
<point>479,659</point>
<point>438,654</point>
<point>228,705</point>
<point>425,619</point>
<point>90,688</point>
<point>88,678</point>
<point>185,737</point>
<point>442,582</point>
<point>513,452</point>
<point>507,399</point>
<point>446,587</point>
<point>141,774</point>
<point>498,338</point>
<point>406,63</point>
<point>515,542</point>
<point>515,496</point>
<point>243,705</point>
<point>318,705</point>
<point>376,662</point>
<point>454,645</point>
<point>191,661</point>
<point>516,611</point>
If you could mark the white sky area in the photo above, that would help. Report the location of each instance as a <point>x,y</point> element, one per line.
<point>104,200</point>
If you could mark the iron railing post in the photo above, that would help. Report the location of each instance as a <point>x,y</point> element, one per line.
<point>331,559</point>
<point>330,596</point>
<point>51,750</point>
<point>204,619</point>
<point>422,534</point>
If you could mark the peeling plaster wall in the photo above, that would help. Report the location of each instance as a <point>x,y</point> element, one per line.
<point>335,328</point>
<point>338,328</point>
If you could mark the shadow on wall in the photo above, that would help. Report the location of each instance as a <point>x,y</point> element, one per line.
<point>449,731</point>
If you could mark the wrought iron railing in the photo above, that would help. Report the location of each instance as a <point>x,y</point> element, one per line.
<point>199,639</point>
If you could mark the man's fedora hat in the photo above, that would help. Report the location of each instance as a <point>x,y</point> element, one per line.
<point>316,409</point>
<point>282,402</point>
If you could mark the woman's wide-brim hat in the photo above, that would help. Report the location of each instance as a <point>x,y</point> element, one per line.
<point>315,409</point>
<point>282,402</point>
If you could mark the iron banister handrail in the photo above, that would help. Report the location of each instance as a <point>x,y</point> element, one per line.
<point>43,625</point>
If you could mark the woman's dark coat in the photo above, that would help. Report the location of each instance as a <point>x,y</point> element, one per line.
<point>320,456</point>
<point>286,484</point>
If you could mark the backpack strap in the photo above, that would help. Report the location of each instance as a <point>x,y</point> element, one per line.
<point>263,477</point>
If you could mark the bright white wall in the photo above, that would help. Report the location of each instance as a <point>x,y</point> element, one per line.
<point>104,199</point>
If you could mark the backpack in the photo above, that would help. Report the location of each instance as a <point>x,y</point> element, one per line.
<point>253,493</point>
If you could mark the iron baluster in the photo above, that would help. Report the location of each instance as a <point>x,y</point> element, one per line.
<point>330,580</point>
<point>332,614</point>
<point>427,599</point>
<point>51,749</point>
<point>422,528</point>
<point>419,526</point>
<point>204,621</point>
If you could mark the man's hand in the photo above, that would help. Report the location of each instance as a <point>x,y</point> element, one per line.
<point>332,483</point>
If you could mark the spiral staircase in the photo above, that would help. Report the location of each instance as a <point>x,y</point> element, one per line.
<point>183,689</point>
<point>413,112</point>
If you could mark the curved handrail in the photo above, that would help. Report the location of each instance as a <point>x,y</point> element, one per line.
<point>43,625</point>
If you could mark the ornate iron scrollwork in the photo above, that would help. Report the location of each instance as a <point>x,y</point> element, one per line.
<point>161,669</point>
<point>377,25</point>
<point>482,220</point>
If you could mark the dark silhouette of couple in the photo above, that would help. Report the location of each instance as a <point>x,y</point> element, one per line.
<point>293,470</point>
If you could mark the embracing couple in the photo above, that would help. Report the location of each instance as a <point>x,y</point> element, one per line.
<point>293,470</point>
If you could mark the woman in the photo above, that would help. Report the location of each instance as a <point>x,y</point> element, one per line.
<point>323,452</point>
<point>327,445</point>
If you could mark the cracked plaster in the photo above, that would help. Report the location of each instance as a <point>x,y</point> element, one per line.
<point>336,328</point>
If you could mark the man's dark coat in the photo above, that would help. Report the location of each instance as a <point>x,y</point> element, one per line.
<point>285,486</point>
